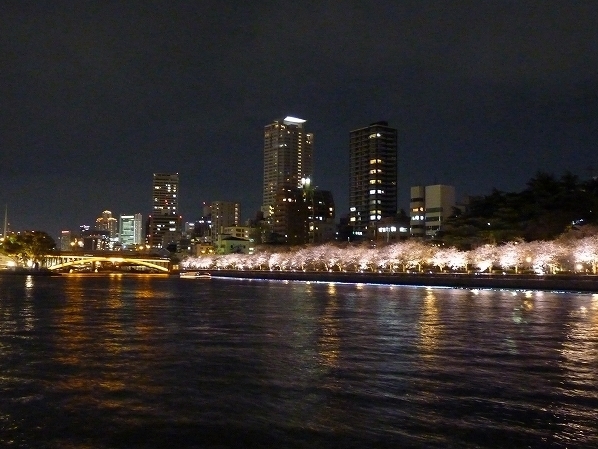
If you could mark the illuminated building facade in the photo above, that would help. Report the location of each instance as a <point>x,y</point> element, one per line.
<point>224,214</point>
<point>164,222</point>
<point>372,177</point>
<point>303,215</point>
<point>429,207</point>
<point>66,238</point>
<point>131,230</point>
<point>107,223</point>
<point>288,158</point>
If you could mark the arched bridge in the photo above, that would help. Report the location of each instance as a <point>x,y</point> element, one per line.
<point>65,260</point>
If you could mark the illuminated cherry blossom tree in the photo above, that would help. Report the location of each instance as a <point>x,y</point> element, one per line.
<point>542,256</point>
<point>585,250</point>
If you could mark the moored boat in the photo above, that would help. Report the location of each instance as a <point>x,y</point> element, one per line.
<point>195,275</point>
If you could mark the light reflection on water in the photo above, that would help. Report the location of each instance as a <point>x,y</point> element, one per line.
<point>430,327</point>
<point>123,361</point>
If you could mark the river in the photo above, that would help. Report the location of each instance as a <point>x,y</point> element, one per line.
<point>154,361</point>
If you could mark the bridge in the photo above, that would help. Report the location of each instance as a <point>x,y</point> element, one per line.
<point>68,260</point>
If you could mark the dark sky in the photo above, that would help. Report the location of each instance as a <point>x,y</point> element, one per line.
<point>97,96</point>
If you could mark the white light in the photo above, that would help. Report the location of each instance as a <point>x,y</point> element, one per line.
<point>290,120</point>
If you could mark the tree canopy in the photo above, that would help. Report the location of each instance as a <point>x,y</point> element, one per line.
<point>546,208</point>
<point>27,246</point>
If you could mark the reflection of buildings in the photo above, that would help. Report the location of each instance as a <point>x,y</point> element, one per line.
<point>372,177</point>
<point>164,222</point>
<point>75,340</point>
<point>429,323</point>
<point>329,339</point>
<point>288,152</point>
<point>131,230</point>
<point>430,206</point>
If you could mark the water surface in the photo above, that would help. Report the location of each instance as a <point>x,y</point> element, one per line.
<point>142,361</point>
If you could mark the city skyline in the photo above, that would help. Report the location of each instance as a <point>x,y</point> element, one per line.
<point>97,99</point>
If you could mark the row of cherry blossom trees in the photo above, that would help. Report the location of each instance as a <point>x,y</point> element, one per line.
<point>541,257</point>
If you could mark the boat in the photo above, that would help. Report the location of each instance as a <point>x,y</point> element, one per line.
<point>195,275</point>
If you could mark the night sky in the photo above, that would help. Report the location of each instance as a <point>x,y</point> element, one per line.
<point>97,96</point>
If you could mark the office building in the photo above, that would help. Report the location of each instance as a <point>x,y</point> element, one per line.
<point>429,207</point>
<point>66,238</point>
<point>164,222</point>
<point>303,215</point>
<point>373,177</point>
<point>131,231</point>
<point>224,214</point>
<point>288,153</point>
<point>107,223</point>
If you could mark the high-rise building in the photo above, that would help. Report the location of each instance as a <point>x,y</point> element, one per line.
<point>131,230</point>
<point>107,223</point>
<point>288,158</point>
<point>373,177</point>
<point>302,214</point>
<point>66,239</point>
<point>429,207</point>
<point>224,214</point>
<point>164,222</point>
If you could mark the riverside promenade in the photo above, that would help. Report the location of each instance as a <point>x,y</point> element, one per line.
<point>556,282</point>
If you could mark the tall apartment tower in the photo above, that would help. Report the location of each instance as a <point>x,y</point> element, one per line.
<point>288,158</point>
<point>224,214</point>
<point>373,177</point>
<point>164,222</point>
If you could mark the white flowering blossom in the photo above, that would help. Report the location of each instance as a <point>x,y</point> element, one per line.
<point>542,256</point>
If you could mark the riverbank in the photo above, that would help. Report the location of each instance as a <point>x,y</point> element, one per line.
<point>586,283</point>
<point>28,272</point>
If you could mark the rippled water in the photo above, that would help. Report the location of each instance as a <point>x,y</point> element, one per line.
<point>128,362</point>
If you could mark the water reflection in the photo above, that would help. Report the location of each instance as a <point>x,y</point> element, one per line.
<point>579,355</point>
<point>95,337</point>
<point>430,327</point>
<point>309,364</point>
<point>328,340</point>
<point>27,312</point>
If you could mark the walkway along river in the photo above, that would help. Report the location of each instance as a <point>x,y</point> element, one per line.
<point>585,283</point>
